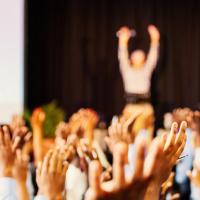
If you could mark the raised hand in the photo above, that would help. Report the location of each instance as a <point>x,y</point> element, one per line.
<point>173,145</point>
<point>150,171</point>
<point>119,132</point>
<point>154,34</point>
<point>122,130</point>
<point>62,132</point>
<point>8,147</point>
<point>9,144</point>
<point>17,121</point>
<point>7,152</point>
<point>37,118</point>
<point>119,187</point>
<point>51,175</point>
<point>124,34</point>
<point>83,123</point>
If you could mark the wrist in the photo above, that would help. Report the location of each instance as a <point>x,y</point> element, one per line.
<point>153,189</point>
<point>123,42</point>
<point>37,127</point>
<point>155,42</point>
<point>58,196</point>
<point>20,182</point>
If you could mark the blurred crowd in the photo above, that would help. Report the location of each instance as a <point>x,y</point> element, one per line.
<point>86,161</point>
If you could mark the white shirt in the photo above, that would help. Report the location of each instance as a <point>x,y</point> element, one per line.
<point>8,189</point>
<point>76,183</point>
<point>137,81</point>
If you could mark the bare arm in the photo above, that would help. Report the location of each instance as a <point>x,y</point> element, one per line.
<point>22,191</point>
<point>20,171</point>
<point>123,34</point>
<point>37,120</point>
<point>152,56</point>
<point>37,144</point>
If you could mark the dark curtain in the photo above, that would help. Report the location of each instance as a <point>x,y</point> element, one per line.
<point>72,52</point>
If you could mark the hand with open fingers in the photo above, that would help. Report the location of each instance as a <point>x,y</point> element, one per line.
<point>89,114</point>
<point>62,132</point>
<point>89,119</point>
<point>119,187</point>
<point>7,151</point>
<point>20,168</point>
<point>24,134</point>
<point>172,146</point>
<point>86,154</point>
<point>120,131</point>
<point>75,123</point>
<point>51,175</point>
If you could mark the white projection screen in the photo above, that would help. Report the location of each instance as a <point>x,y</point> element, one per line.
<point>11,58</point>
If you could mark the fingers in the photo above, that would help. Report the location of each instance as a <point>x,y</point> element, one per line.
<point>95,170</point>
<point>46,163</point>
<point>181,133</point>
<point>163,139</point>
<point>28,136</point>
<point>119,154</point>
<point>180,141</point>
<point>60,163</point>
<point>53,162</point>
<point>19,155</point>
<point>65,167</point>
<point>16,143</point>
<point>153,158</point>
<point>1,137</point>
<point>39,169</point>
<point>180,149</point>
<point>7,139</point>
<point>175,196</point>
<point>171,138</point>
<point>132,119</point>
<point>140,146</point>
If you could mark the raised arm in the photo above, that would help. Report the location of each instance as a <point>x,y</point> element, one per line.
<point>37,120</point>
<point>123,34</point>
<point>152,56</point>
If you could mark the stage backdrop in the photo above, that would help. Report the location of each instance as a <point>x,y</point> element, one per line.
<point>72,52</point>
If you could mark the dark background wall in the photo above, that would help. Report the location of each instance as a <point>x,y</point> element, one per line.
<point>71,52</point>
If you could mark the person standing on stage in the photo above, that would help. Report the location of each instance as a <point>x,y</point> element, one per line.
<point>136,71</point>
